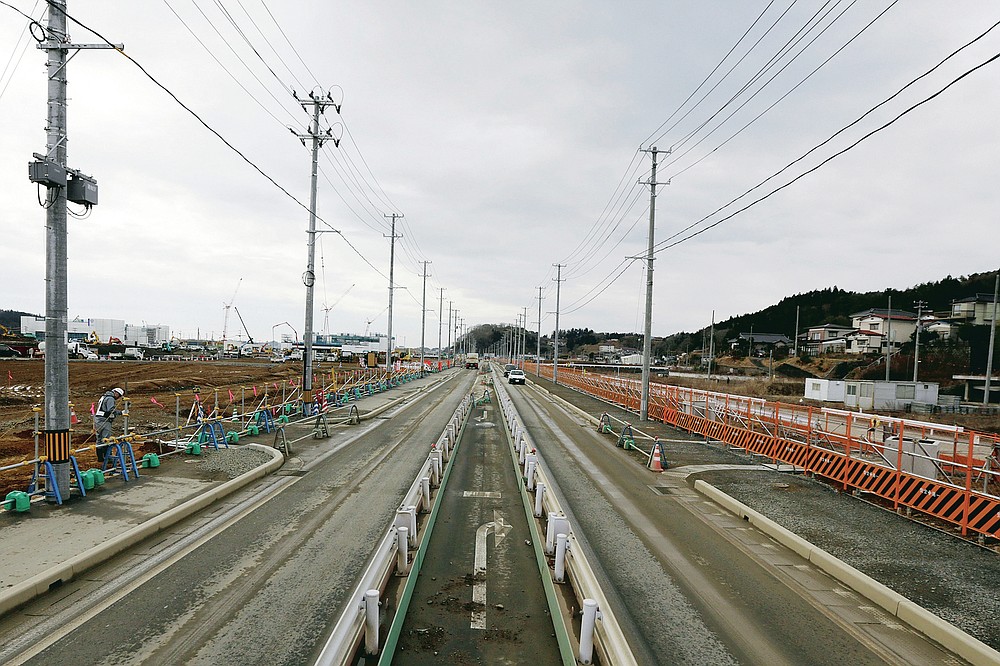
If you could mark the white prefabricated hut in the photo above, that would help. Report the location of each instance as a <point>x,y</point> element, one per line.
<point>890,396</point>
<point>827,390</point>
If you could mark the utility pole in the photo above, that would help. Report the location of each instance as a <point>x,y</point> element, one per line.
<point>888,339</point>
<point>440,322</point>
<point>795,345</point>
<point>555,342</point>
<point>647,342</point>
<point>711,345</point>
<point>524,333</point>
<point>538,352</point>
<point>423,320</point>
<point>318,137</point>
<point>993,333</point>
<point>916,339</point>
<point>451,353</point>
<point>392,287</point>
<point>51,171</point>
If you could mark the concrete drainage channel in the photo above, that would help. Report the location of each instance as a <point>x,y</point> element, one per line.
<point>598,630</point>
<point>360,622</point>
<point>488,580</point>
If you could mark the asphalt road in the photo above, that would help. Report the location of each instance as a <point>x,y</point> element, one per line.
<point>689,587</point>
<point>268,576</point>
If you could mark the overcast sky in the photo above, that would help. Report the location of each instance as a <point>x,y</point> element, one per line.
<point>508,135</point>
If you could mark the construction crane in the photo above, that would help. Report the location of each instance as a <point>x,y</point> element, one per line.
<point>225,321</point>
<point>249,337</point>
<point>368,322</point>
<point>326,311</point>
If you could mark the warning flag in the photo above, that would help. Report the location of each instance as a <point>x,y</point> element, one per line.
<point>255,391</point>
<point>231,398</point>
<point>156,402</point>
<point>10,377</point>
<point>92,410</point>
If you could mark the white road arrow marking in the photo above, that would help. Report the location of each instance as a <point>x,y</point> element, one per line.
<point>500,530</point>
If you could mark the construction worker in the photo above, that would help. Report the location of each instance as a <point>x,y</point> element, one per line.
<point>104,418</point>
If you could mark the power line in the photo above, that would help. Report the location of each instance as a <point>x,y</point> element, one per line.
<point>289,42</point>
<point>271,46</point>
<point>221,138</point>
<point>728,72</point>
<point>709,76</point>
<point>830,158</point>
<point>229,72</point>
<point>844,129</point>
<point>780,99</point>
<point>24,49</point>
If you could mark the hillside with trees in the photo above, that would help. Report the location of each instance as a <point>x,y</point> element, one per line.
<point>940,359</point>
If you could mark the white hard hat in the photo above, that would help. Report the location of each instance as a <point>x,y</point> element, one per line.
<point>118,391</point>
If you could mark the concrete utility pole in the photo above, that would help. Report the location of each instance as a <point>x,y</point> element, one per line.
<point>318,137</point>
<point>993,333</point>
<point>392,287</point>
<point>916,339</point>
<point>888,339</point>
<point>795,345</point>
<point>555,342</point>
<point>524,334</point>
<point>423,320</point>
<point>538,352</point>
<point>440,322</point>
<point>450,352</point>
<point>647,341</point>
<point>711,345</point>
<point>51,171</point>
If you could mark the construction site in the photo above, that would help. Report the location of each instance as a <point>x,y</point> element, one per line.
<point>160,397</point>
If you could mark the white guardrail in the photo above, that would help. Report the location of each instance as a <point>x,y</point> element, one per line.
<point>599,628</point>
<point>360,618</point>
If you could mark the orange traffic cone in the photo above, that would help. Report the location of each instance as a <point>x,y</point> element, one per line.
<point>656,464</point>
<point>73,420</point>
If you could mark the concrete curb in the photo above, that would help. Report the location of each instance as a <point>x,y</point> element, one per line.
<point>948,635</point>
<point>567,404</point>
<point>64,572</point>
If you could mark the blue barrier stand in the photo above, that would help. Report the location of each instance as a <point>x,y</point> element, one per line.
<point>265,420</point>
<point>120,458</point>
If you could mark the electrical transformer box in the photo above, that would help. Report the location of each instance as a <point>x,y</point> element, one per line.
<point>82,191</point>
<point>46,173</point>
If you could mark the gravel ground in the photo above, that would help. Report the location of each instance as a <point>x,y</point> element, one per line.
<point>952,578</point>
<point>233,461</point>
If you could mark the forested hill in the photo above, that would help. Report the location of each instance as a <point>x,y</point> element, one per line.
<point>12,319</point>
<point>835,306</point>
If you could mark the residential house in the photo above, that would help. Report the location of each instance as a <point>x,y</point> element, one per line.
<point>761,342</point>
<point>873,327</point>
<point>825,338</point>
<point>976,309</point>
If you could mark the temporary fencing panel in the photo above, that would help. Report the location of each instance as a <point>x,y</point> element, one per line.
<point>828,449</point>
